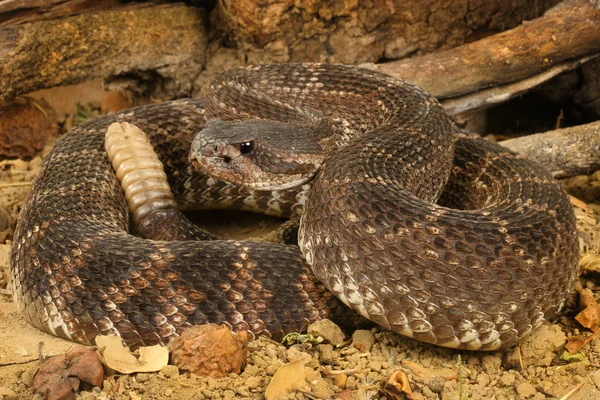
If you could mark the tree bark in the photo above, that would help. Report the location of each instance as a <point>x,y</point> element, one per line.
<point>166,42</point>
<point>489,97</point>
<point>355,31</point>
<point>566,32</point>
<point>563,152</point>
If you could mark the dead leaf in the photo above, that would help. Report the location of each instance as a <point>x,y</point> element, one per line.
<point>575,343</point>
<point>210,350</point>
<point>59,377</point>
<point>398,386</point>
<point>344,395</point>
<point>423,375</point>
<point>120,358</point>
<point>287,378</point>
<point>589,317</point>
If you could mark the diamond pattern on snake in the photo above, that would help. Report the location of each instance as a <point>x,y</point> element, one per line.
<point>436,234</point>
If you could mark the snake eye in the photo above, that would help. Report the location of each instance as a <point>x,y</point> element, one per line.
<point>246,147</point>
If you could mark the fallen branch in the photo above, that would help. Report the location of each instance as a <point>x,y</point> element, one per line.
<point>566,32</point>
<point>493,96</point>
<point>15,184</point>
<point>563,152</point>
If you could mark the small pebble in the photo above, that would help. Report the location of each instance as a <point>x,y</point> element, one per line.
<point>252,382</point>
<point>27,377</point>
<point>170,371</point>
<point>328,330</point>
<point>363,340</point>
<point>7,394</point>
<point>340,380</point>
<point>525,390</point>
<point>228,395</point>
<point>507,379</point>
<point>436,384</point>
<point>35,163</point>
<point>107,385</point>
<point>596,378</point>
<point>326,353</point>
<point>375,366</point>
<point>142,377</point>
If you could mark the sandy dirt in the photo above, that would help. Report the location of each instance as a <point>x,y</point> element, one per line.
<point>360,366</point>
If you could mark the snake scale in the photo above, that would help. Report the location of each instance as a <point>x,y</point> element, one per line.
<point>479,269</point>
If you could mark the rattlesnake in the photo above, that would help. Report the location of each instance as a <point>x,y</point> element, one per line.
<point>479,270</point>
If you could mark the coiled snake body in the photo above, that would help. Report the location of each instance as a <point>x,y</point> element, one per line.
<point>479,270</point>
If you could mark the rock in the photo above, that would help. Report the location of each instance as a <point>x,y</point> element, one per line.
<point>7,394</point>
<point>540,347</point>
<point>25,126</point>
<point>142,377</point>
<point>525,390</point>
<point>436,384</point>
<point>170,371</point>
<point>27,377</point>
<point>483,379</point>
<point>596,378</point>
<point>6,230</point>
<point>326,353</point>
<point>328,330</point>
<point>87,396</point>
<point>340,380</point>
<point>507,379</point>
<point>375,366</point>
<point>491,364</point>
<point>363,340</point>
<point>253,382</point>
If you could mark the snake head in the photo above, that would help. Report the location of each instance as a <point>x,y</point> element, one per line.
<point>259,154</point>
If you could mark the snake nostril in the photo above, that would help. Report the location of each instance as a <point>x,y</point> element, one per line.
<point>227,159</point>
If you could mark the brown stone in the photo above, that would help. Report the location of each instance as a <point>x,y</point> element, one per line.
<point>25,126</point>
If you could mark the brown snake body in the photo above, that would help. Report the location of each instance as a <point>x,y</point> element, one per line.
<point>478,271</point>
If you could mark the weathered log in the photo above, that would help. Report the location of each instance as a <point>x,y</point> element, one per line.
<point>167,42</point>
<point>563,152</point>
<point>489,97</point>
<point>137,41</point>
<point>566,32</point>
<point>18,12</point>
<point>353,31</point>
